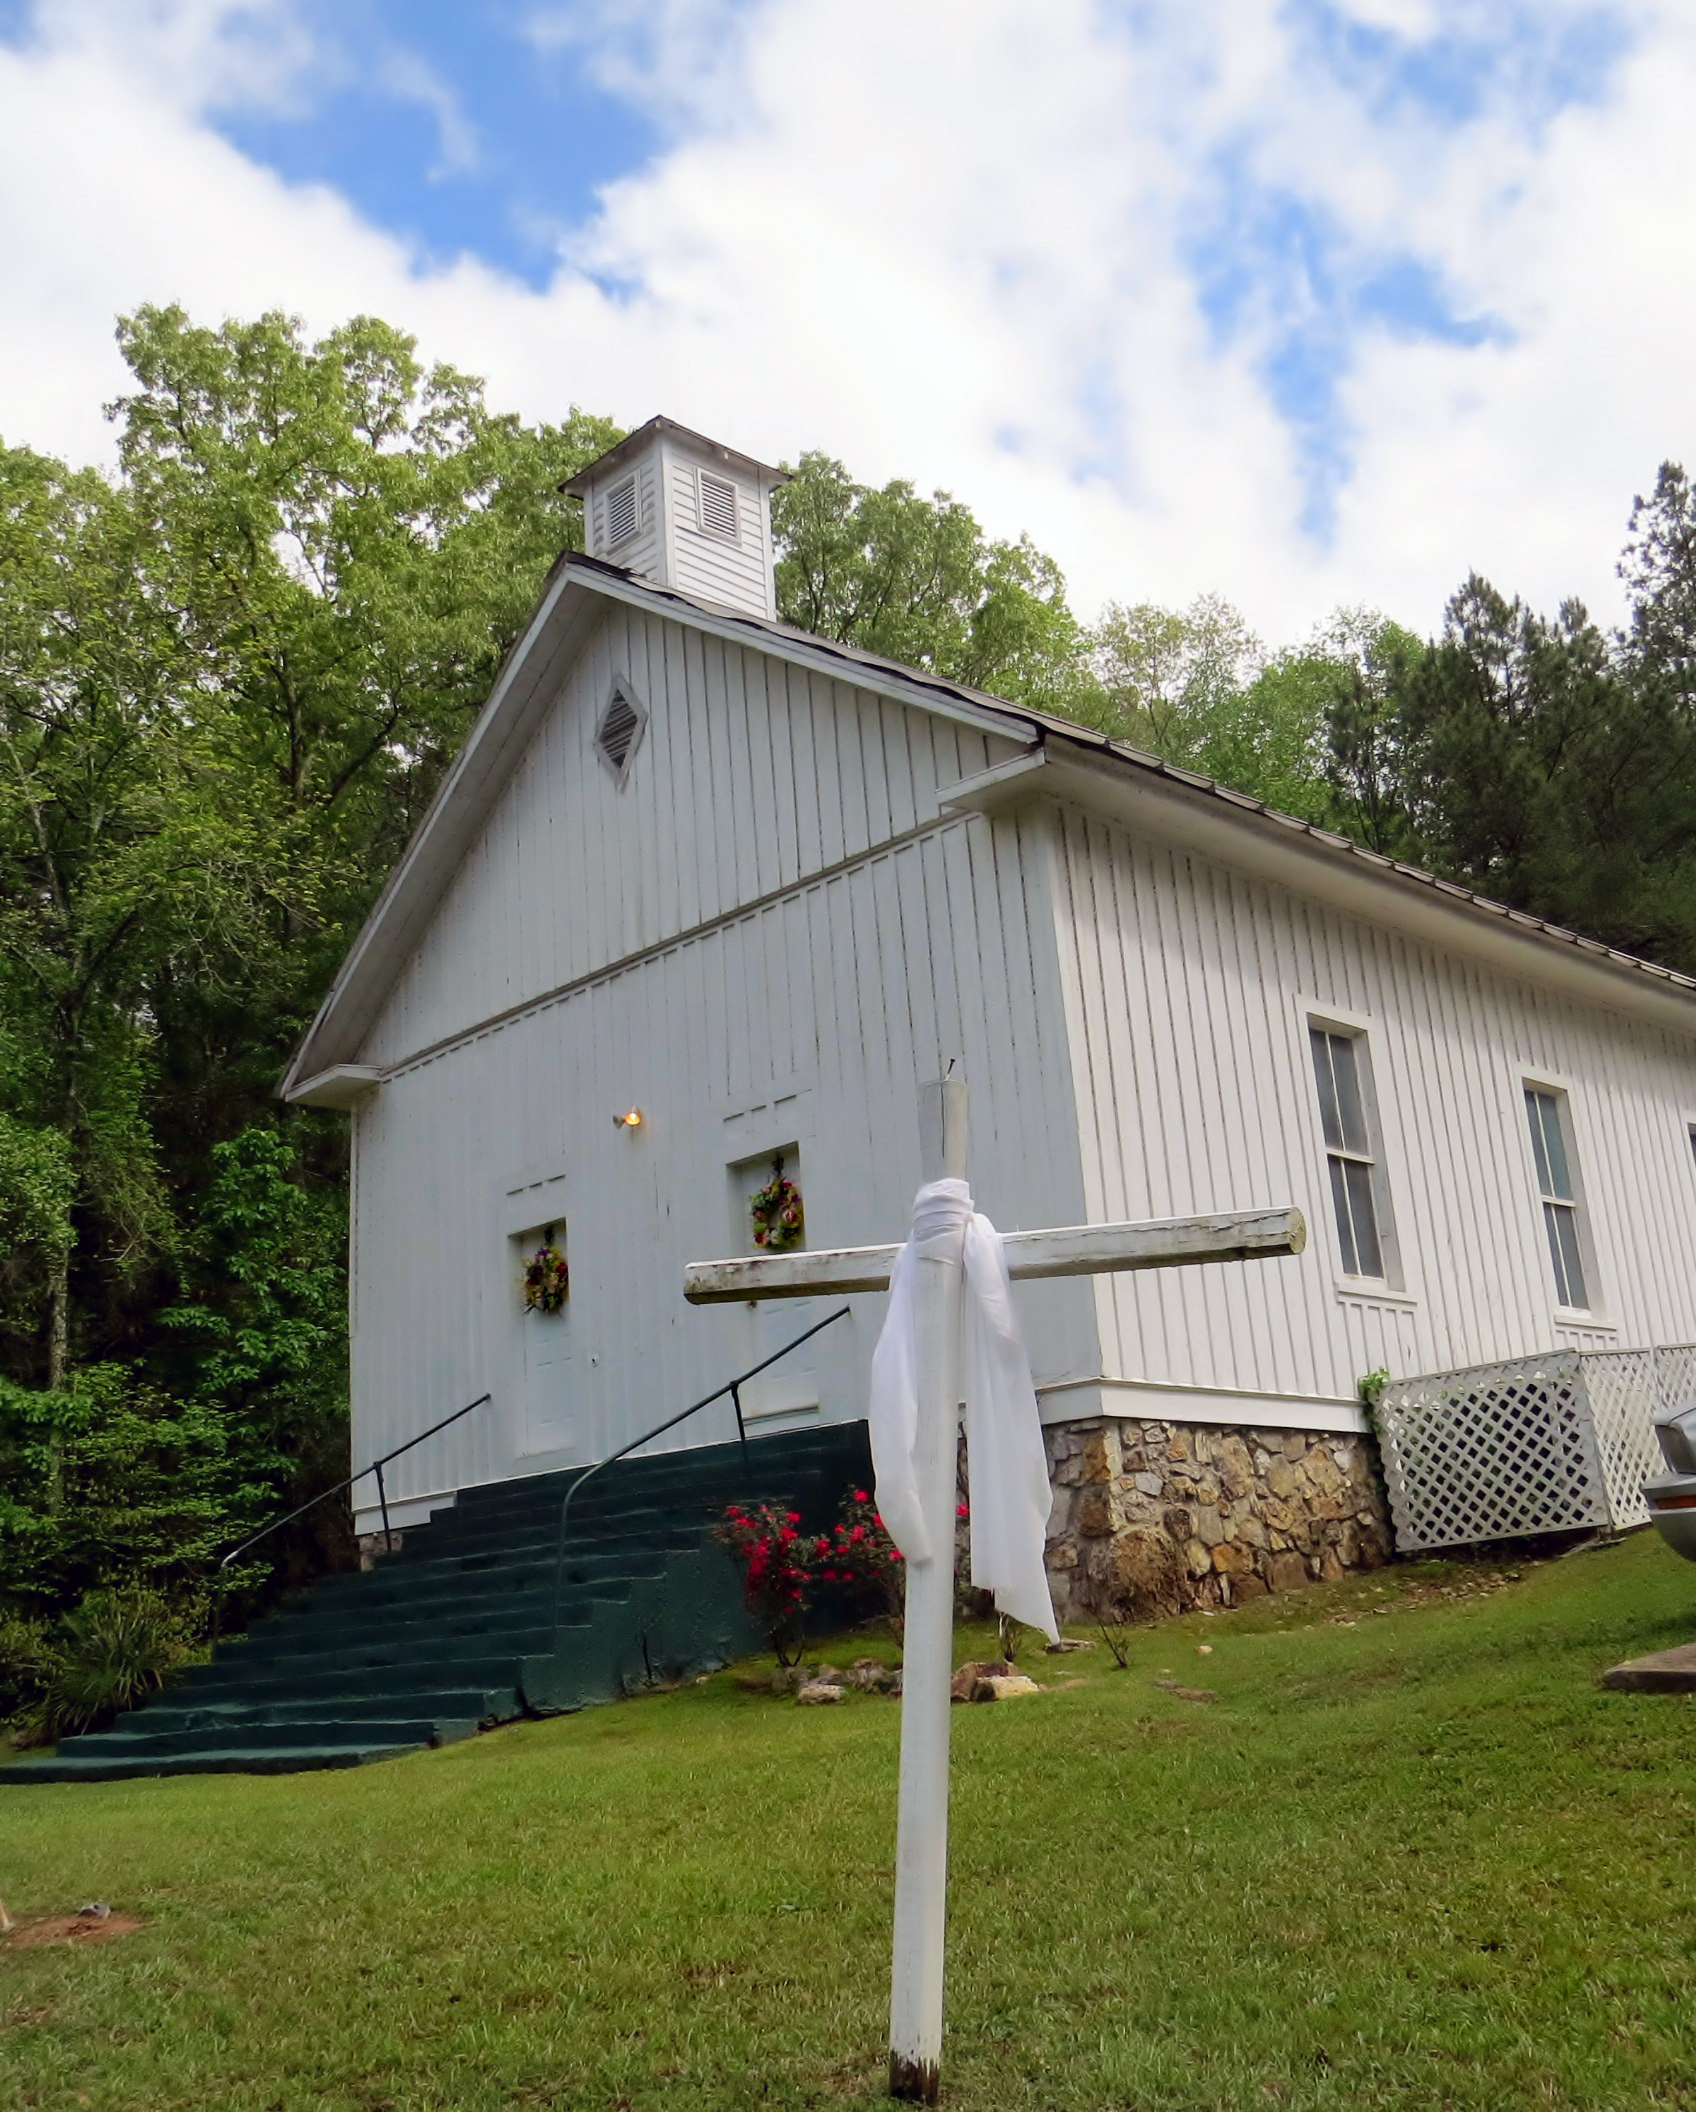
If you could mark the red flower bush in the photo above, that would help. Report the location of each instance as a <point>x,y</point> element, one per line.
<point>858,1554</point>
<point>776,1562</point>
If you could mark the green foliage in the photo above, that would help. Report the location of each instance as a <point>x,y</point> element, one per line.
<point>111,1484</point>
<point>26,1664</point>
<point>1171,680</point>
<point>231,676</point>
<point>1537,760</point>
<point>114,1650</point>
<point>264,1313</point>
<point>1197,688</point>
<point>918,581</point>
<point>37,1188</point>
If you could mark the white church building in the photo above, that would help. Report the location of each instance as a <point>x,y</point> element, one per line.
<point>703,891</point>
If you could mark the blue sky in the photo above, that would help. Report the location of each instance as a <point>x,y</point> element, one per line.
<point>457,125</point>
<point>1090,265</point>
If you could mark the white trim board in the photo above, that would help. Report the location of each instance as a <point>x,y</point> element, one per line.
<point>1148,1400</point>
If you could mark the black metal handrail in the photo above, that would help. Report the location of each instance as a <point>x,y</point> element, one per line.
<point>733,1387</point>
<point>376,1467</point>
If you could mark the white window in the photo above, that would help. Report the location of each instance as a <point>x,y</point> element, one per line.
<point>1342,1071</point>
<point>621,512</point>
<point>1551,1148</point>
<point>718,507</point>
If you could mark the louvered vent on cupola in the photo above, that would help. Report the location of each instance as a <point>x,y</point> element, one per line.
<point>718,506</point>
<point>619,734</point>
<point>621,512</point>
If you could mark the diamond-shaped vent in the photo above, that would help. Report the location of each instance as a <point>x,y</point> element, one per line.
<point>619,732</point>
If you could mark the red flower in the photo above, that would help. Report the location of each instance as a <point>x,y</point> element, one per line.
<point>860,1496</point>
<point>960,1510</point>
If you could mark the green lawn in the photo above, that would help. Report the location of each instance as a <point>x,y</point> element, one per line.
<point>1418,1861</point>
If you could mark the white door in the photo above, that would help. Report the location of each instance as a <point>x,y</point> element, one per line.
<point>791,1386</point>
<point>550,1419</point>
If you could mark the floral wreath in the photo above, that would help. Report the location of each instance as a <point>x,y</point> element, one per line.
<point>546,1277</point>
<point>779,1219</point>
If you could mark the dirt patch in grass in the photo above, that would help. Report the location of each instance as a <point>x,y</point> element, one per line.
<point>80,1929</point>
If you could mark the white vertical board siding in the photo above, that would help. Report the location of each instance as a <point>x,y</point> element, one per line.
<point>1187,989</point>
<point>750,774</point>
<point>837,998</point>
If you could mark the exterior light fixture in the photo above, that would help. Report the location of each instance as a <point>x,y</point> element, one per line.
<point>630,1119</point>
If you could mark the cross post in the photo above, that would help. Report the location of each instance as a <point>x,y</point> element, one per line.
<point>921,1839</point>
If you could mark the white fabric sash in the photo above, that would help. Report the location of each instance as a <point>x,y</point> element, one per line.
<point>1008,1461</point>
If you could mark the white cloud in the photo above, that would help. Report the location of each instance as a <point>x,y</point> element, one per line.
<point>959,240</point>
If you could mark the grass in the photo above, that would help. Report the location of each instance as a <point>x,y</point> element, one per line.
<point>1411,1856</point>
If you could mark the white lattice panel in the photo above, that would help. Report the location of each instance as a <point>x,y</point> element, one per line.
<point>1625,1388</point>
<point>1491,1453</point>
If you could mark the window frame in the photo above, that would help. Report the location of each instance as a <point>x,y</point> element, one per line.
<point>1559,1092</point>
<point>1321,1019</point>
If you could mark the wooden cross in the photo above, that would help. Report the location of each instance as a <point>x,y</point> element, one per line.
<point>921,1845</point>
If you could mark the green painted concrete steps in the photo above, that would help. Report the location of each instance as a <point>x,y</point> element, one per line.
<point>455,1631</point>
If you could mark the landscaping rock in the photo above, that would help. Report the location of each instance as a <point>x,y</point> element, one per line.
<point>1004,1687</point>
<point>960,1687</point>
<point>817,1693</point>
<point>1066,1642</point>
<point>1665,1672</point>
<point>871,1675</point>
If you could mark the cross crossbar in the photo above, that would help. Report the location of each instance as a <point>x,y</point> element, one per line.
<point>1069,1250</point>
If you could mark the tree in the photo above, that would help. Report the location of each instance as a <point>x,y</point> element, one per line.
<point>916,580</point>
<point>1659,570</point>
<point>1167,677</point>
<point>1534,760</point>
<point>230,679</point>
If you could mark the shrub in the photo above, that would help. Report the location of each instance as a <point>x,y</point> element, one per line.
<point>858,1556</point>
<point>108,1485</point>
<point>766,1544</point>
<point>27,1659</point>
<point>114,1650</point>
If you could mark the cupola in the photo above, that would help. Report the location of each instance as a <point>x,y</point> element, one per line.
<point>683,511</point>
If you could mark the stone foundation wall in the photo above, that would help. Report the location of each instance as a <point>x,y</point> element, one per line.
<point>1153,1517</point>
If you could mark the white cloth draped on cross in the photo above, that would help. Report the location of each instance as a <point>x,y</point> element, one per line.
<point>1010,1496</point>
